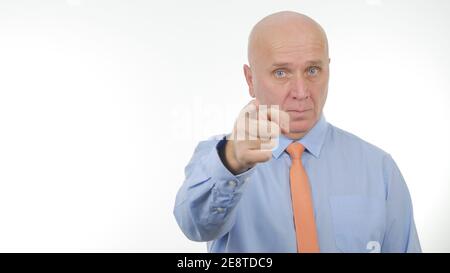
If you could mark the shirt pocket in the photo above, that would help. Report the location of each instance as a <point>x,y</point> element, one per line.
<point>358,222</point>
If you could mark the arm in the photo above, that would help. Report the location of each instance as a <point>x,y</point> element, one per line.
<point>401,234</point>
<point>205,205</point>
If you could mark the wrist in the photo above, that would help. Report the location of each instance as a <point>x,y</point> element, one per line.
<point>230,159</point>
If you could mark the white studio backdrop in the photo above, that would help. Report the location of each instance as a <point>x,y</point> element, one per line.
<point>103,102</point>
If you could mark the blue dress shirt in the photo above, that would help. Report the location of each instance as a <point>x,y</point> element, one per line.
<point>361,201</point>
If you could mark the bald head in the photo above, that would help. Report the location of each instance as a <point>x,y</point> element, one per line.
<point>289,67</point>
<point>284,28</point>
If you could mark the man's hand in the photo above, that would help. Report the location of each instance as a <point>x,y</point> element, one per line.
<point>254,135</point>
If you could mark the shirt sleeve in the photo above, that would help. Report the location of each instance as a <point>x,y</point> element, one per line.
<point>401,234</point>
<point>205,205</point>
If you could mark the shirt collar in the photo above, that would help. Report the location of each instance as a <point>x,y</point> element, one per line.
<point>312,141</point>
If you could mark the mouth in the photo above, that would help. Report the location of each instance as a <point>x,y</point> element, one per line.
<point>298,111</point>
<point>299,114</point>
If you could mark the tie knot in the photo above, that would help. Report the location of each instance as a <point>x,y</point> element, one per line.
<point>295,150</point>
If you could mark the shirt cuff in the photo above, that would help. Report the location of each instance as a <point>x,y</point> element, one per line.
<point>227,186</point>
<point>229,182</point>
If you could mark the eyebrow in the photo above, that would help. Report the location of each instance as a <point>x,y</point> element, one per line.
<point>281,64</point>
<point>313,62</point>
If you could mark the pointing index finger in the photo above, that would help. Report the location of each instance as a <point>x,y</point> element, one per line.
<point>280,117</point>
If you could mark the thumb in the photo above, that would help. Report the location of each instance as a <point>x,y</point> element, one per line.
<point>255,102</point>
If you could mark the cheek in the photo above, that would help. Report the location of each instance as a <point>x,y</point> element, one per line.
<point>269,93</point>
<point>319,92</point>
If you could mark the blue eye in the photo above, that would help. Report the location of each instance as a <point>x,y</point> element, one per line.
<point>280,74</point>
<point>313,71</point>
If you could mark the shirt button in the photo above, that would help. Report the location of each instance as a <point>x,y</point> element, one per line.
<point>232,183</point>
<point>247,179</point>
<point>220,210</point>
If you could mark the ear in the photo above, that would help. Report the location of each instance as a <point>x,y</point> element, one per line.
<point>249,79</point>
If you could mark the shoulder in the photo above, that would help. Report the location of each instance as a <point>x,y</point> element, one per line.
<point>206,145</point>
<point>356,152</point>
<point>353,144</point>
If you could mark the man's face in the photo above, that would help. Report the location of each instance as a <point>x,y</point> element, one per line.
<point>292,71</point>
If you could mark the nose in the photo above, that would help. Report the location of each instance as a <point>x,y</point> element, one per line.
<point>299,89</point>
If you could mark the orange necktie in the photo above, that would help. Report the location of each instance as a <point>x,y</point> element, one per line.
<point>302,203</point>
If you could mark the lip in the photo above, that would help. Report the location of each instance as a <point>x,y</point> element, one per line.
<point>299,114</point>
<point>299,111</point>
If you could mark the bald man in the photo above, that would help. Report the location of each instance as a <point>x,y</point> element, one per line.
<point>284,179</point>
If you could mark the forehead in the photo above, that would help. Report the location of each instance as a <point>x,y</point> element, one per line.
<point>293,47</point>
<point>296,54</point>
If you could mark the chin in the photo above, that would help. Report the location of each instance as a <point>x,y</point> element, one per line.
<point>301,126</point>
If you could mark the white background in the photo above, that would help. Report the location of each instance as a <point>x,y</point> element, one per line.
<point>103,102</point>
